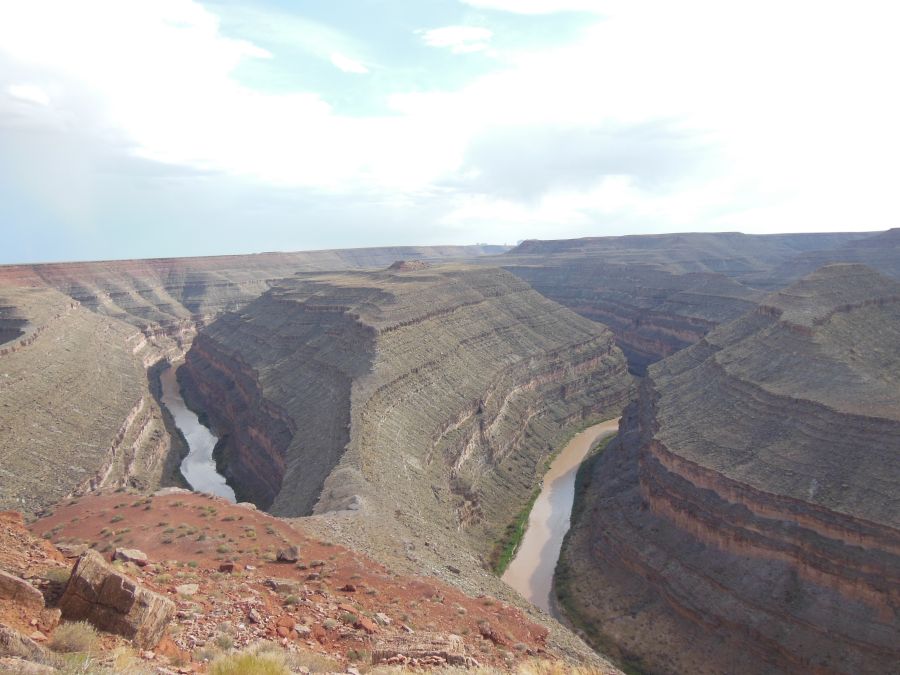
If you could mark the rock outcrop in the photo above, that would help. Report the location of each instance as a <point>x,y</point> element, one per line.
<point>747,519</point>
<point>426,399</point>
<point>112,602</point>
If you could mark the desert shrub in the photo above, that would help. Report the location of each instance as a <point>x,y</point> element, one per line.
<point>249,663</point>
<point>224,641</point>
<point>74,636</point>
<point>58,575</point>
<point>315,663</point>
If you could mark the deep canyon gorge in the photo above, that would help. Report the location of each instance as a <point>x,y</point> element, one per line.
<point>404,402</point>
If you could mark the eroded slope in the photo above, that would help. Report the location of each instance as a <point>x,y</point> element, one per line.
<point>430,396</point>
<point>751,505</point>
<point>77,411</point>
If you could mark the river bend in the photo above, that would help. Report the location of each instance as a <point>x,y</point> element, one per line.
<point>531,570</point>
<point>199,467</point>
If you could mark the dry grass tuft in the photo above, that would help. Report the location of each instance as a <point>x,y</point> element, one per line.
<point>74,636</point>
<point>249,663</point>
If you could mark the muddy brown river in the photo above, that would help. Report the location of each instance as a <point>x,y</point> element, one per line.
<point>198,467</point>
<point>531,571</point>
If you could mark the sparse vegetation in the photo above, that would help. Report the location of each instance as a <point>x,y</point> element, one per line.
<point>58,575</point>
<point>249,663</point>
<point>74,636</point>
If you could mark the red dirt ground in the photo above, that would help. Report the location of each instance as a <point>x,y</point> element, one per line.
<point>337,592</point>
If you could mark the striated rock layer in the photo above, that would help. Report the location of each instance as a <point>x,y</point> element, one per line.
<point>168,297</point>
<point>81,345</point>
<point>76,409</point>
<point>425,399</point>
<point>748,519</point>
<point>661,293</point>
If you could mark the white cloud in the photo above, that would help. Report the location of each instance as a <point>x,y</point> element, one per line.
<point>30,93</point>
<point>347,64</point>
<point>460,39</point>
<point>792,98</point>
<point>540,6</point>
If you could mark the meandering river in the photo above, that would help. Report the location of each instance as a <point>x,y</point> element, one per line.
<point>531,571</point>
<point>198,467</point>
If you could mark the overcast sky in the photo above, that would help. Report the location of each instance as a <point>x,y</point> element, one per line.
<point>172,127</point>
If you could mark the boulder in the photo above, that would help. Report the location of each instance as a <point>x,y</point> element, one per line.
<point>13,643</point>
<point>289,554</point>
<point>402,648</point>
<point>131,555</point>
<point>114,603</point>
<point>283,585</point>
<point>71,549</point>
<point>366,624</point>
<point>20,592</point>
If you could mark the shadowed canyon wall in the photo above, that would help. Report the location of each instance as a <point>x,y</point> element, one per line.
<point>424,397</point>
<point>661,293</point>
<point>747,519</point>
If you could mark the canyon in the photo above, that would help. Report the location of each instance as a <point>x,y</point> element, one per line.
<point>405,402</point>
<point>662,293</point>
<point>83,346</point>
<point>423,400</point>
<point>746,518</point>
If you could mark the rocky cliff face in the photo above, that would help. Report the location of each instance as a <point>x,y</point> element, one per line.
<point>747,519</point>
<point>423,399</point>
<point>662,293</point>
<point>76,411</point>
<point>652,312</point>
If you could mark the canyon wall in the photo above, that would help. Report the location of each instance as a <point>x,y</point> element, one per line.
<point>80,344</point>
<point>168,298</point>
<point>747,519</point>
<point>76,410</point>
<point>425,401</point>
<point>661,293</point>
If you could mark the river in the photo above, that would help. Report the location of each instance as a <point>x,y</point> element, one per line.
<point>198,467</point>
<point>531,571</point>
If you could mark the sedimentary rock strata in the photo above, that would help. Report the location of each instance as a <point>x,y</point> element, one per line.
<point>76,411</point>
<point>426,397</point>
<point>653,312</point>
<point>747,520</point>
<point>880,252</point>
<point>79,347</point>
<point>168,297</point>
<point>661,293</point>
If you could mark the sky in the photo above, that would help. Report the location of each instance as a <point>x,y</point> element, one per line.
<point>175,127</point>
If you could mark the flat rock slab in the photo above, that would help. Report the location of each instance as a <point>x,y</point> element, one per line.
<point>20,592</point>
<point>114,603</point>
<point>131,555</point>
